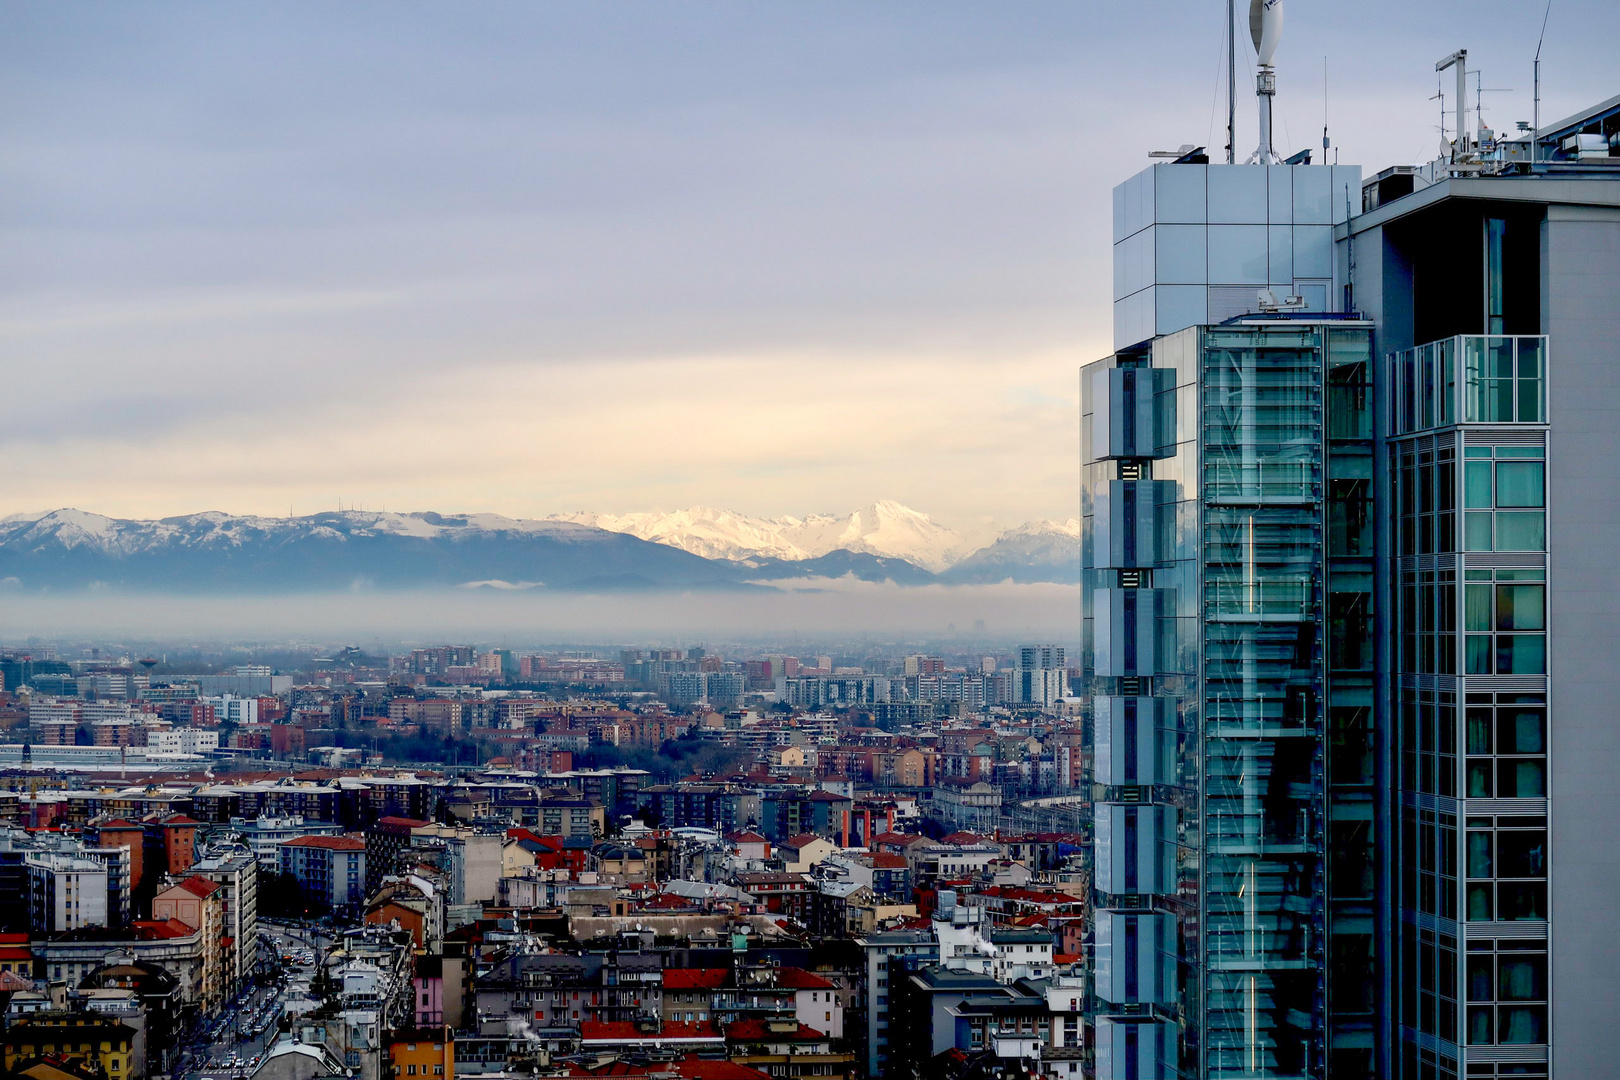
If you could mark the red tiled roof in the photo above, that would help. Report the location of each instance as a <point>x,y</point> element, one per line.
<point>552,844</point>
<point>670,902</point>
<point>199,886</point>
<point>691,1068</point>
<point>804,839</point>
<point>147,930</point>
<point>884,861</point>
<point>706,1069</point>
<point>331,843</point>
<point>694,978</point>
<point>411,822</point>
<point>1032,896</point>
<point>746,838</point>
<point>800,979</point>
<point>738,1030</point>
<point>627,1031</point>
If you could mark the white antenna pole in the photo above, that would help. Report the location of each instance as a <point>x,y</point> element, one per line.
<point>1535,134</point>
<point>1231,82</point>
<point>1324,111</point>
<point>1462,100</point>
<point>1265,27</point>
<point>1458,60</point>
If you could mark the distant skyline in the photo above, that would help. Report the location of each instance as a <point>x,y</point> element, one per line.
<point>533,259</point>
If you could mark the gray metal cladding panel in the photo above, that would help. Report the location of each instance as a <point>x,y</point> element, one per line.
<point>1137,1048</point>
<point>1132,412</point>
<point>1583,618</point>
<point>1131,854</point>
<point>1134,743</point>
<point>1131,965</point>
<point>1127,631</point>
<point>1130,522</point>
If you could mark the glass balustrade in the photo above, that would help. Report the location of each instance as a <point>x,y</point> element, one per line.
<point>1470,378</point>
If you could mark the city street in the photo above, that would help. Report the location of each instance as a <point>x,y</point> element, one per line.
<point>230,1045</point>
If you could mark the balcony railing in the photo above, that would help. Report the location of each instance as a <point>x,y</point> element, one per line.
<point>1471,379</point>
<point>1260,599</point>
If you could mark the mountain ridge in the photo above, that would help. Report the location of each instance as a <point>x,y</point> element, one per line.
<point>213,551</point>
<point>885,528</point>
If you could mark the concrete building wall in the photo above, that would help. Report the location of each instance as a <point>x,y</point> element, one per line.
<point>1582,305</point>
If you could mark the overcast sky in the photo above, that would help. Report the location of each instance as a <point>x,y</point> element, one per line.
<point>533,258</point>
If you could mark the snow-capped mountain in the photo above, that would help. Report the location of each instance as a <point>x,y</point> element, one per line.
<point>1035,551</point>
<point>345,549</point>
<point>694,549</point>
<point>886,529</point>
<point>713,534</point>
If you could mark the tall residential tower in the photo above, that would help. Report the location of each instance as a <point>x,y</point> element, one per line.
<point>1351,497</point>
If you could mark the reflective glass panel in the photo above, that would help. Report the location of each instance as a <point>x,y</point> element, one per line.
<point>1477,484</point>
<point>1238,254</point>
<point>1519,483</point>
<point>1519,531</point>
<point>1521,731</point>
<point>1520,607</point>
<point>1521,654</point>
<point>1178,252</point>
<point>1313,251</point>
<point>1237,194</point>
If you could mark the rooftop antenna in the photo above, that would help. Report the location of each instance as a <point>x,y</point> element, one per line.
<point>1482,134</point>
<point>1231,82</point>
<point>1535,136</point>
<point>1324,112</point>
<point>1458,60</point>
<point>1265,28</point>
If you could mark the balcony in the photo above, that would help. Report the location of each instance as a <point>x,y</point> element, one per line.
<point>1260,599</point>
<point>1016,1046</point>
<point>1470,379</point>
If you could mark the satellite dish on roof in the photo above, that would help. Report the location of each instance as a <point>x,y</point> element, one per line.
<point>1265,27</point>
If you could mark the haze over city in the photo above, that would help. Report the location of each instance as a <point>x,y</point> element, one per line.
<point>834,541</point>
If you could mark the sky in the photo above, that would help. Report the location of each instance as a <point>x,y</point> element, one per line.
<point>533,258</point>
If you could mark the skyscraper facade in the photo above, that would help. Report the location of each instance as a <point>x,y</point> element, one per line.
<point>1042,675</point>
<point>1350,624</point>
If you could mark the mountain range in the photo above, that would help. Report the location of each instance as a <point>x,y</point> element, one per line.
<point>698,548</point>
<point>885,529</point>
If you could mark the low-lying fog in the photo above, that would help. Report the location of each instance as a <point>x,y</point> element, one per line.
<point>843,608</point>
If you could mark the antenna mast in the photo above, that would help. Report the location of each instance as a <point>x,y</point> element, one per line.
<point>1535,135</point>
<point>1231,82</point>
<point>1458,60</point>
<point>1265,27</point>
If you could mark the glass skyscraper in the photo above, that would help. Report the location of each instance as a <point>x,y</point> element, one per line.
<point>1352,729</point>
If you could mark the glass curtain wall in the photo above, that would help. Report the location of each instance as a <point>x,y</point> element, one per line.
<point>1352,991</point>
<point>1468,486</point>
<point>1265,673</point>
